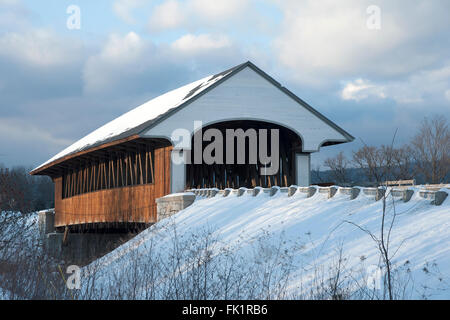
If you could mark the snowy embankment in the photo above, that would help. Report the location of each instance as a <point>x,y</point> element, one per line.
<point>17,230</point>
<point>19,236</point>
<point>312,231</point>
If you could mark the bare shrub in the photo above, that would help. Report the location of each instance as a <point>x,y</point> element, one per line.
<point>197,266</point>
<point>26,271</point>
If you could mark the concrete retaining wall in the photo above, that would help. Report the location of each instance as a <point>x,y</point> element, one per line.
<point>270,191</point>
<point>46,222</point>
<point>352,192</point>
<point>82,248</point>
<point>405,194</point>
<point>78,248</point>
<point>330,191</point>
<point>253,192</point>
<point>436,197</point>
<point>378,193</point>
<point>310,191</point>
<point>172,203</point>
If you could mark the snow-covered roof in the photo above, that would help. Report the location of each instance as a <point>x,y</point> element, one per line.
<point>136,121</point>
<point>140,117</point>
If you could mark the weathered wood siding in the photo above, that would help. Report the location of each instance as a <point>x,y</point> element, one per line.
<point>134,204</point>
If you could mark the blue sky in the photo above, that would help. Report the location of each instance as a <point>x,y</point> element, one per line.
<point>57,85</point>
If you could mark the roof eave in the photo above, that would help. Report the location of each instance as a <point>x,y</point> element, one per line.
<point>347,135</point>
<point>41,170</point>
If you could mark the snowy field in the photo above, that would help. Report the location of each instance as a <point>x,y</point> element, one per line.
<point>316,234</point>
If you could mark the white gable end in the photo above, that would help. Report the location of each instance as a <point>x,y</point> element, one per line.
<point>247,95</point>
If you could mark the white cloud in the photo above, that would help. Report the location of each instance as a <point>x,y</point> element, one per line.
<point>193,14</point>
<point>321,41</point>
<point>447,95</point>
<point>193,44</point>
<point>122,49</point>
<point>14,16</point>
<point>21,131</point>
<point>9,2</point>
<point>120,56</point>
<point>361,89</point>
<point>424,86</point>
<point>129,62</point>
<point>123,9</point>
<point>39,48</point>
<point>218,9</point>
<point>168,15</point>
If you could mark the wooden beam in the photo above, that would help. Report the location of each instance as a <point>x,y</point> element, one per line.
<point>41,170</point>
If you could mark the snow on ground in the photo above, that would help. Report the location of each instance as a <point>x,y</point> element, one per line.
<point>420,236</point>
<point>16,228</point>
<point>18,237</point>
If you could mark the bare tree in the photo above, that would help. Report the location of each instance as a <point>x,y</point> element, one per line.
<point>13,191</point>
<point>338,166</point>
<point>380,163</point>
<point>431,146</point>
<point>316,174</point>
<point>371,161</point>
<point>20,192</point>
<point>385,162</point>
<point>402,162</point>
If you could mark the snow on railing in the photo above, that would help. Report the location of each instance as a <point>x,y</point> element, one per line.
<point>435,196</point>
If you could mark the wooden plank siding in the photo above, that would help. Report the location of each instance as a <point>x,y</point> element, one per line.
<point>130,204</point>
<point>79,179</point>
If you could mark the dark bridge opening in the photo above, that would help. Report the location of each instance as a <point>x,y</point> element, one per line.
<point>231,172</point>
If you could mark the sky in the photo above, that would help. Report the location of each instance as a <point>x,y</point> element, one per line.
<point>372,67</point>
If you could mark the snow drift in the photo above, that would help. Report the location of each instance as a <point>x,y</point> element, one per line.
<point>316,233</point>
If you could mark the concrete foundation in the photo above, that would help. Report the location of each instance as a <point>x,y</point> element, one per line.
<point>77,248</point>
<point>439,197</point>
<point>405,194</point>
<point>292,190</point>
<point>224,193</point>
<point>212,192</point>
<point>352,192</point>
<point>270,191</point>
<point>83,248</point>
<point>436,197</point>
<point>330,191</point>
<point>378,193</point>
<point>238,192</point>
<point>172,203</point>
<point>46,222</point>
<point>253,192</point>
<point>310,191</point>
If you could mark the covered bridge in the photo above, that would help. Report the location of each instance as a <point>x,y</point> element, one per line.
<point>112,176</point>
